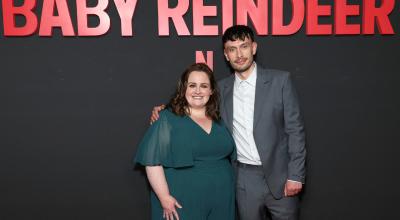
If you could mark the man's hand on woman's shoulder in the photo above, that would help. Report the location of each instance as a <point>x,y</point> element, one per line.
<point>155,113</point>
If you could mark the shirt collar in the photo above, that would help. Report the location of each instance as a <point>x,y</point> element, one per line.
<point>252,78</point>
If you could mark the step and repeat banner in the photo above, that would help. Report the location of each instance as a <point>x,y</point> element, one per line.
<point>79,78</point>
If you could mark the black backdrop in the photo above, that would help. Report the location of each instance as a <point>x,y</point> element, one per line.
<point>74,108</point>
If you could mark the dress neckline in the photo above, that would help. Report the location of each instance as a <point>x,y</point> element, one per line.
<point>201,128</point>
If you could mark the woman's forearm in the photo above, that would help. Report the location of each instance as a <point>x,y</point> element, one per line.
<point>157,180</point>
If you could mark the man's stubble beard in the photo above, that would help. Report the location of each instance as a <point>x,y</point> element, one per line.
<point>244,69</point>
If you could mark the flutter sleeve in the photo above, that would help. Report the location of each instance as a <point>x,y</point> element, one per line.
<point>157,148</point>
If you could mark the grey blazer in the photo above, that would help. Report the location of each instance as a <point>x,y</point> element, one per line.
<point>278,126</point>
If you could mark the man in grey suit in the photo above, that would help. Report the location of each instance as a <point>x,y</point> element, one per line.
<point>261,110</point>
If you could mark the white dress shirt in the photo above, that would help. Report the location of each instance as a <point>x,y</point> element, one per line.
<point>244,94</point>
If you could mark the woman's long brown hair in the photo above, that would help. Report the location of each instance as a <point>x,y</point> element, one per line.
<point>178,103</point>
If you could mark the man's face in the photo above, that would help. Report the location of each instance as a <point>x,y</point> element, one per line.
<point>240,54</point>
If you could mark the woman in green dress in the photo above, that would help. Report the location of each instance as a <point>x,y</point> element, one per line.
<point>187,154</point>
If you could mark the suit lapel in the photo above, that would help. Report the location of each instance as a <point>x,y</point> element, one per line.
<point>261,88</point>
<point>228,96</point>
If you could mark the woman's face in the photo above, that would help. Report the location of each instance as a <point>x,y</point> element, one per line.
<point>198,90</point>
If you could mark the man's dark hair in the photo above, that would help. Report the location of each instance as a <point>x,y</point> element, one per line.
<point>237,32</point>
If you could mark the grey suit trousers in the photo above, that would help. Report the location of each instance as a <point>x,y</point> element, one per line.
<point>255,200</point>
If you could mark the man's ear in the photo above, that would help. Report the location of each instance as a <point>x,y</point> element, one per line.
<point>254,45</point>
<point>226,57</point>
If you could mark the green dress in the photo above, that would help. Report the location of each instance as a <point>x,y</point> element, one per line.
<point>196,164</point>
